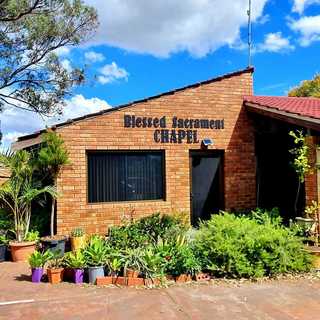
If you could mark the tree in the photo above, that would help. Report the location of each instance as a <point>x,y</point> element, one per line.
<point>32,76</point>
<point>307,88</point>
<point>52,156</point>
<point>18,193</point>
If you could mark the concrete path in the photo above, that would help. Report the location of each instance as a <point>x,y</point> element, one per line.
<point>283,300</point>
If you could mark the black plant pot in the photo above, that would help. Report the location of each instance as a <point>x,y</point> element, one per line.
<point>54,245</point>
<point>3,252</point>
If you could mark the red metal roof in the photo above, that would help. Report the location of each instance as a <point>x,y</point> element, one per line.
<point>307,107</point>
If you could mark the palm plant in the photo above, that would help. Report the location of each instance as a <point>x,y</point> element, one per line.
<point>18,193</point>
<point>52,156</point>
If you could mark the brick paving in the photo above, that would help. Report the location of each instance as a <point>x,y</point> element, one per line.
<point>283,300</point>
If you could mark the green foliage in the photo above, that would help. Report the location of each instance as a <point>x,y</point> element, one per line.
<point>32,235</point>
<point>55,260</point>
<point>134,259</point>
<point>96,252</point>
<point>307,88</point>
<point>75,260</point>
<point>52,154</point>
<point>77,232</point>
<point>263,216</point>
<point>18,193</point>
<point>32,76</point>
<point>6,223</point>
<point>115,263</point>
<point>51,157</point>
<point>146,231</point>
<point>243,247</point>
<point>38,259</point>
<point>301,161</point>
<point>3,240</point>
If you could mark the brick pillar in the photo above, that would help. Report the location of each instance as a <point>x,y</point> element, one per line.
<point>311,180</point>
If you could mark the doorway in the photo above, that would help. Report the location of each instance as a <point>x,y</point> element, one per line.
<point>206,184</point>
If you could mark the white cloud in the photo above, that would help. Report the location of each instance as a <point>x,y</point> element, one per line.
<point>275,42</point>
<point>62,51</point>
<point>111,72</point>
<point>300,5</point>
<point>161,28</point>
<point>66,64</point>
<point>309,29</point>
<point>16,122</point>
<point>93,56</point>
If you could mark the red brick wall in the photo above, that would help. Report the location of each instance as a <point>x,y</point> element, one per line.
<point>215,100</point>
<point>311,184</point>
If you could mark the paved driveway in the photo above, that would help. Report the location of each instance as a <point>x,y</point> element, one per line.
<point>283,300</point>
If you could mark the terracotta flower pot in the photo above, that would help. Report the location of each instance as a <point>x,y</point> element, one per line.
<point>20,251</point>
<point>130,273</point>
<point>183,278</point>
<point>78,243</point>
<point>55,275</point>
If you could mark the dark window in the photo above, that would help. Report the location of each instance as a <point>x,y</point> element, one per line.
<point>120,176</point>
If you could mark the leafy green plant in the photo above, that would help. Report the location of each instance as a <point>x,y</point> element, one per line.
<point>38,259</point>
<point>146,231</point>
<point>300,162</point>
<point>115,264</point>
<point>51,157</point>
<point>3,240</point>
<point>134,259</point>
<point>55,260</point>
<point>96,252</point>
<point>18,193</point>
<point>155,263</point>
<point>77,232</point>
<point>75,260</point>
<point>243,247</point>
<point>32,235</point>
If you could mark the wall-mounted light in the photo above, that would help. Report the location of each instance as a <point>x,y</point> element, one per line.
<point>206,142</point>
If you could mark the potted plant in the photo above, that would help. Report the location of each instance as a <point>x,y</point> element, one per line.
<point>95,253</point>
<point>76,261</point>
<point>55,269</point>
<point>154,267</point>
<point>51,157</point>
<point>37,261</point>
<point>183,264</point>
<point>3,247</point>
<point>17,195</point>
<point>114,265</point>
<point>78,239</point>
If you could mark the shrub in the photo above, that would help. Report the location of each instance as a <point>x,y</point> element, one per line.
<point>243,247</point>
<point>146,231</point>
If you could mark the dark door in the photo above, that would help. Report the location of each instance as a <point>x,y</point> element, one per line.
<point>206,185</point>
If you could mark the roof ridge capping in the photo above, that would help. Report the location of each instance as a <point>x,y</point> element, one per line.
<point>128,104</point>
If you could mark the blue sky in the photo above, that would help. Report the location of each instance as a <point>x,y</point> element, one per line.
<point>147,47</point>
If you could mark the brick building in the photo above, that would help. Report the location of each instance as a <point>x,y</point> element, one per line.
<point>193,149</point>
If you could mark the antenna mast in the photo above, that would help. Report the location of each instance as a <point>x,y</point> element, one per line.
<point>249,36</point>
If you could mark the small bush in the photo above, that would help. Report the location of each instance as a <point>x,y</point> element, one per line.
<point>146,231</point>
<point>245,247</point>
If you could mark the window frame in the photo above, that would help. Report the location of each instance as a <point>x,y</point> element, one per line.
<point>123,151</point>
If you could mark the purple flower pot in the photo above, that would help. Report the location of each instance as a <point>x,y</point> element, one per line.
<point>78,276</point>
<point>37,274</point>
